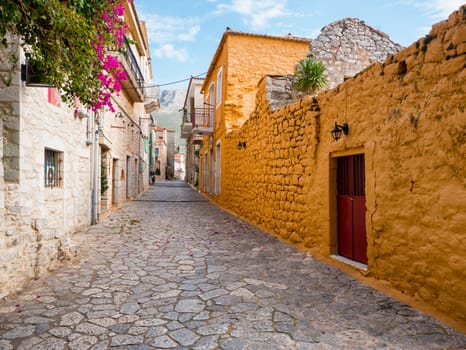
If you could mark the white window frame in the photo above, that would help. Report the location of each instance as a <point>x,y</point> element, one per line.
<point>206,172</point>
<point>218,169</point>
<point>218,96</point>
<point>211,104</point>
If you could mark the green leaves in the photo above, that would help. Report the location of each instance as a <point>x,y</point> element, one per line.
<point>310,75</point>
<point>59,38</point>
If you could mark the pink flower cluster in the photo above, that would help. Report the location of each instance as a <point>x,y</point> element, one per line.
<point>111,71</point>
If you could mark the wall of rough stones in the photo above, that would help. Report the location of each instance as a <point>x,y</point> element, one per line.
<point>37,221</point>
<point>2,183</point>
<point>348,46</point>
<point>269,180</point>
<point>407,116</point>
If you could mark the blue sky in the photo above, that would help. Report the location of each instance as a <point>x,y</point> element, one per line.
<point>184,34</point>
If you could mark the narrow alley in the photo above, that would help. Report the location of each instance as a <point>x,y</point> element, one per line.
<point>170,270</point>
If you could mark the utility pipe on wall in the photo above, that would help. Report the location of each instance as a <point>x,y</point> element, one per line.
<point>94,179</point>
<point>95,175</point>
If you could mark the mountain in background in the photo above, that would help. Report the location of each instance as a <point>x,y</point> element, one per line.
<point>169,115</point>
<point>172,100</point>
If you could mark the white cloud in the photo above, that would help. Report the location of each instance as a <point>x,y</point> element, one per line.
<point>191,34</point>
<point>255,13</point>
<point>172,29</point>
<point>171,52</point>
<point>437,9</point>
<point>166,34</point>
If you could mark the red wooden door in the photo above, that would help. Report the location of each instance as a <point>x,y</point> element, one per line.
<point>351,206</point>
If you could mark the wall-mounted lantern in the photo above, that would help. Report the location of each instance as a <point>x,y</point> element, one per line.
<point>338,129</point>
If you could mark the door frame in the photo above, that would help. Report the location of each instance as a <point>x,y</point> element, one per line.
<point>333,204</point>
<point>115,181</point>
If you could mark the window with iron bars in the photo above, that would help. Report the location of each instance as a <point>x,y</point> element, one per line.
<point>53,168</point>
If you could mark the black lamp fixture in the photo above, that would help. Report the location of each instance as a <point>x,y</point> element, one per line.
<point>338,129</point>
<point>241,145</point>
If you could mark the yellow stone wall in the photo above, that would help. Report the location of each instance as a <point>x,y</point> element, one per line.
<point>249,58</point>
<point>407,116</point>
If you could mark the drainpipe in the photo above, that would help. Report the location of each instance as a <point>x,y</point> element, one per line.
<point>88,131</point>
<point>95,176</point>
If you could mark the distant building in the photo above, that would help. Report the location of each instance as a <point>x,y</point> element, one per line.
<point>163,144</point>
<point>180,166</point>
<point>170,154</point>
<point>193,106</point>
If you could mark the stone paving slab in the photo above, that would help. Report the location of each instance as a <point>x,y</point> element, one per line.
<point>172,271</point>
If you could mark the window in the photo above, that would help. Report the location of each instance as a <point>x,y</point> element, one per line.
<point>218,97</point>
<point>217,169</point>
<point>53,168</point>
<point>206,172</point>
<point>211,103</point>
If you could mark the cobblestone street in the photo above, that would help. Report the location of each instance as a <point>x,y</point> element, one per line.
<point>172,271</point>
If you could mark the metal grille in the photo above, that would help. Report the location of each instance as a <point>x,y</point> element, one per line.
<point>52,169</point>
<point>344,188</point>
<point>351,177</point>
<point>359,176</point>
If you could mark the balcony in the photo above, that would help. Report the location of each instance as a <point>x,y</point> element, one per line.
<point>187,126</point>
<point>202,121</point>
<point>152,99</point>
<point>134,85</point>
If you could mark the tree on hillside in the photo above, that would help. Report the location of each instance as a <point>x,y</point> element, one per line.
<point>67,41</point>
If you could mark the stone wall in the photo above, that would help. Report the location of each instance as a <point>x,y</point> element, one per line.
<point>348,46</point>
<point>37,221</point>
<point>407,116</point>
<point>268,181</point>
<point>2,183</point>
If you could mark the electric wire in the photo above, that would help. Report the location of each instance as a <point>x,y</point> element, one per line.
<point>176,82</point>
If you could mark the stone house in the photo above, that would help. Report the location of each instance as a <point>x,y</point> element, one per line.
<point>61,169</point>
<point>192,131</point>
<point>348,46</point>
<point>164,141</point>
<point>230,89</point>
<point>368,176</point>
<point>179,166</point>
